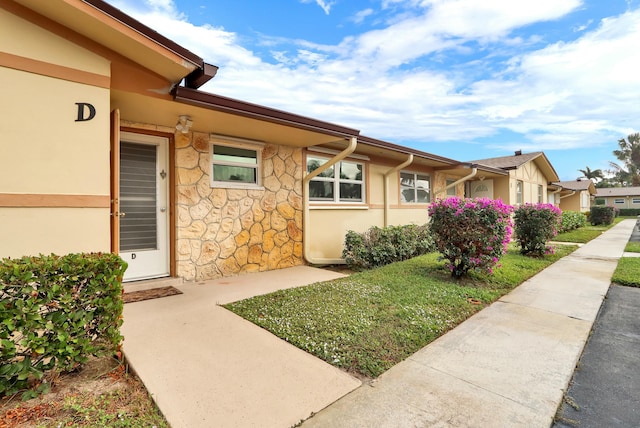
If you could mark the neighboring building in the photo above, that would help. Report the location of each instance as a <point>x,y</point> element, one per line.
<point>108,145</point>
<point>526,181</point>
<point>619,197</point>
<point>575,195</point>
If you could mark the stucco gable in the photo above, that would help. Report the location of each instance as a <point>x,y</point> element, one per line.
<point>518,160</point>
<point>578,185</point>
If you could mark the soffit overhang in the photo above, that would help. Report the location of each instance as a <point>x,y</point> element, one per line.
<point>112,28</point>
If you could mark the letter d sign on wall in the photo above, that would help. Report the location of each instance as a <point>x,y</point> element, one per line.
<point>86,112</point>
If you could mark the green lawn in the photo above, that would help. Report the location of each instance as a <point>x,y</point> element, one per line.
<point>627,272</point>
<point>586,233</point>
<point>371,320</point>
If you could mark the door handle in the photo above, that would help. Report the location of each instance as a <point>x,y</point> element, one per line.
<point>163,209</point>
<point>118,214</point>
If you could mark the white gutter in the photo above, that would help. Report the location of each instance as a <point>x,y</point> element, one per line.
<point>386,186</point>
<point>305,204</point>
<point>474,171</point>
<point>573,192</point>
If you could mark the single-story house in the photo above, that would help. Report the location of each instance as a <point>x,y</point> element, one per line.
<point>575,195</point>
<point>526,180</point>
<point>109,145</point>
<point>619,197</point>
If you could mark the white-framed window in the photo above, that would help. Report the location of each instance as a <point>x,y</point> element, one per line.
<point>540,190</point>
<point>635,200</point>
<point>519,186</point>
<point>415,188</point>
<point>235,163</point>
<point>585,199</point>
<point>342,182</point>
<point>618,201</point>
<point>451,191</point>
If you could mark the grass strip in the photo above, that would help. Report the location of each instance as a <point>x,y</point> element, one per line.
<point>627,272</point>
<point>371,320</point>
<point>632,247</point>
<point>585,234</point>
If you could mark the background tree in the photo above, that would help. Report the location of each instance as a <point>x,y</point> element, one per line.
<point>593,175</point>
<point>629,155</point>
<point>619,177</point>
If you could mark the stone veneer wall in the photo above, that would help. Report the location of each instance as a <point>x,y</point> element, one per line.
<point>225,232</point>
<point>440,182</point>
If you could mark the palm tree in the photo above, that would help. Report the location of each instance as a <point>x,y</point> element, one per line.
<point>620,175</point>
<point>594,175</point>
<point>629,154</point>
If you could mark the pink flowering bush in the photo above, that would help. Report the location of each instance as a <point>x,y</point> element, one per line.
<point>470,234</point>
<point>535,224</point>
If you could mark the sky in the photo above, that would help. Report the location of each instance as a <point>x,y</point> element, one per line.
<point>464,79</point>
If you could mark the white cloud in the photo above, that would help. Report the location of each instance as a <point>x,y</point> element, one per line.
<point>361,15</point>
<point>570,93</point>
<point>567,94</point>
<point>324,5</point>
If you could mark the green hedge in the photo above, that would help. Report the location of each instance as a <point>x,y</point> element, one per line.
<point>602,215</point>
<point>629,212</point>
<point>381,246</point>
<point>56,312</point>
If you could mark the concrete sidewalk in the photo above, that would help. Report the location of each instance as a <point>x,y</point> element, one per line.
<point>207,367</point>
<point>507,366</point>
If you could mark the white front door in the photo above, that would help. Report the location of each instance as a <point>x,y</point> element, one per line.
<point>144,190</point>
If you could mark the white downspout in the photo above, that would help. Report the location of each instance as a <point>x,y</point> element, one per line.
<point>573,192</point>
<point>305,204</point>
<point>474,171</point>
<point>386,186</point>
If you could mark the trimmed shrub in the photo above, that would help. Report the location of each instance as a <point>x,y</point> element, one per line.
<point>572,220</point>
<point>56,312</point>
<point>470,234</point>
<point>535,224</point>
<point>602,215</point>
<point>381,246</point>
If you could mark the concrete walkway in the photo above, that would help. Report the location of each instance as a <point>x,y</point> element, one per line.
<point>507,366</point>
<point>207,367</point>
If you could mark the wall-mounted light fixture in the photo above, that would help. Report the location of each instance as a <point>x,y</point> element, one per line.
<point>184,124</point>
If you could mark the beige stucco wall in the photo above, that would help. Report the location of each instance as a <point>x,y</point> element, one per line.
<point>22,38</point>
<point>505,187</point>
<point>628,201</point>
<point>328,224</point>
<point>531,178</point>
<point>576,202</point>
<point>44,151</point>
<point>32,231</point>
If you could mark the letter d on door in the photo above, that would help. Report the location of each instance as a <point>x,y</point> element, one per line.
<point>85,108</point>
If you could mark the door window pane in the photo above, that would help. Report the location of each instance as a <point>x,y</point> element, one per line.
<point>138,228</point>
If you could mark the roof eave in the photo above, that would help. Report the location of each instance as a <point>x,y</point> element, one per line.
<point>151,34</point>
<point>229,105</point>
